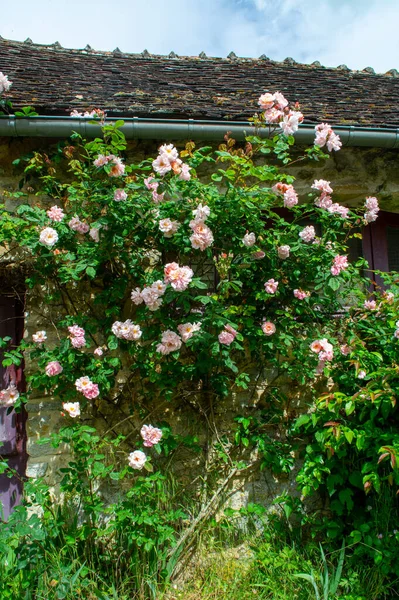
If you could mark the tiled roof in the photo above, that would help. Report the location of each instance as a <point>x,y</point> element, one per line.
<point>56,80</point>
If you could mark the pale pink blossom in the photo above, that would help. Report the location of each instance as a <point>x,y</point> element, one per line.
<point>185,174</point>
<point>161,164</point>
<point>118,168</point>
<point>290,197</point>
<point>268,328</point>
<point>361,374</point>
<point>126,330</point>
<point>151,184</point>
<point>151,298</point>
<point>83,383</point>
<point>370,304</point>
<point>273,115</point>
<point>340,263</point>
<point>300,294</point>
<point>159,287</point>
<point>324,201</point>
<point>322,185</point>
<point>9,396</point>
<point>372,209</point>
<point>77,225</point>
<point>170,342</point>
<point>258,255</point>
<point>169,151</point>
<point>231,330</point>
<point>72,408</point>
<point>53,368</point>
<point>281,102</point>
<point>136,296</point>
<point>338,209</point>
<point>202,236</point>
<point>187,330</point>
<point>137,460</point>
<point>290,122</point>
<point>168,227</point>
<point>323,348</point>
<point>55,213</point>
<point>98,351</point>
<point>48,237</point>
<point>5,83</point>
<point>201,213</point>
<point>325,135</point>
<point>271,286</point>
<point>308,233</point>
<point>92,391</point>
<point>345,349</point>
<point>266,101</point>
<point>389,297</point>
<point>249,239</point>
<point>157,198</point>
<point>151,435</point>
<point>396,333</point>
<point>39,337</point>
<point>371,216</point>
<point>94,233</point>
<point>101,160</point>
<point>283,252</point>
<point>77,336</point>
<point>226,338</point>
<point>178,277</point>
<point>120,195</point>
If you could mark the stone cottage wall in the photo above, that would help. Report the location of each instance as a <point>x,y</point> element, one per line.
<point>354,173</point>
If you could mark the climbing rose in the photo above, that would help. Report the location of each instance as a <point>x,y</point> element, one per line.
<point>39,337</point>
<point>87,387</point>
<point>136,296</point>
<point>308,233</point>
<point>151,435</point>
<point>361,374</point>
<point>202,236</point>
<point>126,330</point>
<point>137,460</point>
<point>53,368</point>
<point>338,209</point>
<point>9,396</point>
<point>226,338</point>
<point>118,168</point>
<point>259,254</point>
<point>268,328</point>
<point>370,304</point>
<point>119,195</point>
<point>290,122</point>
<point>340,263</point>
<point>161,164</point>
<point>187,330</point>
<point>98,351</point>
<point>77,336</point>
<point>345,349</point>
<point>151,184</point>
<point>271,286</point>
<point>72,408</point>
<point>322,185</point>
<point>201,213</point>
<point>372,209</point>
<point>266,101</point>
<point>290,197</point>
<point>170,342</point>
<point>48,237</point>
<point>185,172</point>
<point>325,135</point>
<point>5,84</point>
<point>55,213</point>
<point>178,277</point>
<point>249,239</point>
<point>101,160</point>
<point>301,295</point>
<point>323,348</point>
<point>283,252</point>
<point>168,227</point>
<point>77,225</point>
<point>94,233</point>
<point>91,391</point>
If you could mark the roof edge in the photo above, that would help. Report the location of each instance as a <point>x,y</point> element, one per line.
<point>180,129</point>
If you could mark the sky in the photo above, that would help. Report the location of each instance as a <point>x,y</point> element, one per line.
<point>358,33</point>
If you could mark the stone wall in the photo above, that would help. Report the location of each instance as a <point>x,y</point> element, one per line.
<point>354,173</point>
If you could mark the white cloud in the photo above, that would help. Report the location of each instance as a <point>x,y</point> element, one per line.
<point>359,33</point>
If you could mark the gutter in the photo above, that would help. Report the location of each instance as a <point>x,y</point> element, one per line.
<point>183,129</point>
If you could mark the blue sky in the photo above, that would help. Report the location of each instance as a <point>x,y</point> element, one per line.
<point>359,33</point>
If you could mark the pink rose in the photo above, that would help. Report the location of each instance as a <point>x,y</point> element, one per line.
<point>53,368</point>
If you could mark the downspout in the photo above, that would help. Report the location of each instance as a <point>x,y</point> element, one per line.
<point>180,129</point>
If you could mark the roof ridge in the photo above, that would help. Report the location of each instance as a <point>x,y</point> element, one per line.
<point>172,56</point>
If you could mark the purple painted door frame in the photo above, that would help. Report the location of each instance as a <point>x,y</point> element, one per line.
<point>12,424</point>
